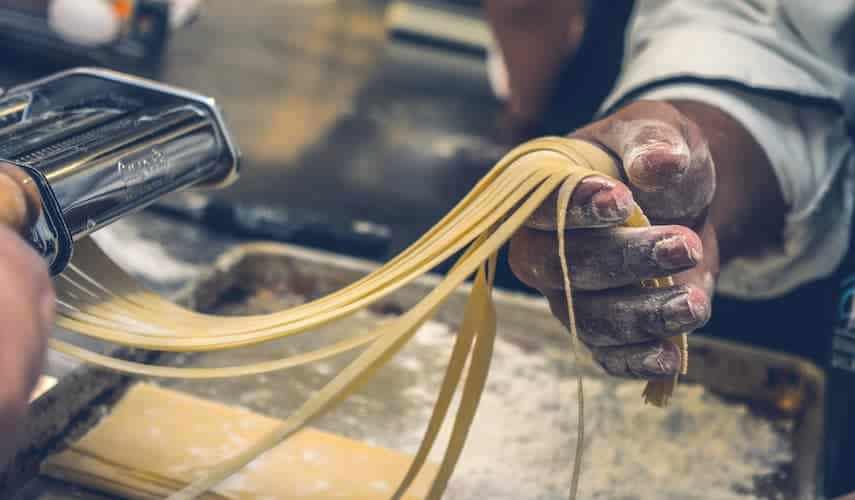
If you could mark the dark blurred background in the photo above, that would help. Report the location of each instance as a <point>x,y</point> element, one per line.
<point>358,129</point>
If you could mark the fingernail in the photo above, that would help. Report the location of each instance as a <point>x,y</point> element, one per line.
<point>588,188</point>
<point>675,252</point>
<point>654,168</point>
<point>661,362</point>
<point>612,204</point>
<point>601,198</point>
<point>681,312</point>
<point>48,308</point>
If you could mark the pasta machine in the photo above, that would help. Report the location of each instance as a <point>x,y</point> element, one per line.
<point>100,144</point>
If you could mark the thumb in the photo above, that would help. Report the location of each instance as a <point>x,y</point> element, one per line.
<point>19,198</point>
<point>666,160</point>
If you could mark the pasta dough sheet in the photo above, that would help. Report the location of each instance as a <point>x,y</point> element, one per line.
<point>156,441</point>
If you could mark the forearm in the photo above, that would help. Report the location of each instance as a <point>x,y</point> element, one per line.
<point>748,209</point>
<point>534,36</point>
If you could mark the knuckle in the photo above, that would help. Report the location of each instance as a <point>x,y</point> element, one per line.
<point>613,363</point>
<point>615,319</point>
<point>600,333</point>
<point>529,257</point>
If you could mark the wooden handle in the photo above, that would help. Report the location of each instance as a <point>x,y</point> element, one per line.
<point>20,201</point>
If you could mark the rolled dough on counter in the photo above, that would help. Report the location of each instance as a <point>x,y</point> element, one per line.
<point>156,440</point>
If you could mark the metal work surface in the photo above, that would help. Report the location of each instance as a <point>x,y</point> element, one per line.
<point>753,443</point>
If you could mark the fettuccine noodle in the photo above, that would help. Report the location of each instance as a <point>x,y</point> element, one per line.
<point>97,299</point>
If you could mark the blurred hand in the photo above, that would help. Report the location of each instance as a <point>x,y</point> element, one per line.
<point>26,308</point>
<point>669,172</point>
<point>535,37</point>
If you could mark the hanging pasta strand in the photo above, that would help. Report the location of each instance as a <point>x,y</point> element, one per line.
<point>96,298</point>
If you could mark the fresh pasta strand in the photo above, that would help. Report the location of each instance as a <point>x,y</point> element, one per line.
<point>98,299</point>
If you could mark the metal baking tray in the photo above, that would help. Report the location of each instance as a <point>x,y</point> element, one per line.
<point>745,424</point>
<point>749,417</point>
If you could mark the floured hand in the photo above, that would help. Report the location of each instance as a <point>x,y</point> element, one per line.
<point>670,174</point>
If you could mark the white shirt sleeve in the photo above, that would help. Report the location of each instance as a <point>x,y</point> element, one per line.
<point>812,158</point>
<point>737,56</point>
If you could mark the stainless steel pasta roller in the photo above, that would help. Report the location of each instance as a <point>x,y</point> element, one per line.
<point>98,145</point>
